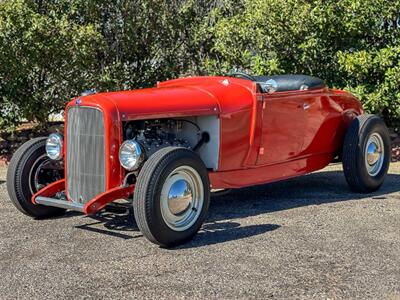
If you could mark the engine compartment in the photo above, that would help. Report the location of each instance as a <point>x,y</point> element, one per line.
<point>199,134</point>
<point>154,135</point>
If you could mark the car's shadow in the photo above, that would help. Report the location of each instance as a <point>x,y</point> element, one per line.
<point>225,211</point>
<point>2,182</point>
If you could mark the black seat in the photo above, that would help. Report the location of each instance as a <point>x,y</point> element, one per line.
<point>292,82</point>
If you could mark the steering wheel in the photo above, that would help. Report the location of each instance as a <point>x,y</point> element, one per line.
<point>243,75</point>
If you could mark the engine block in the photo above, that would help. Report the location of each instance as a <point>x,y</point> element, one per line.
<point>154,135</point>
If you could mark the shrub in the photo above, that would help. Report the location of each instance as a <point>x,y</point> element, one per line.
<point>52,50</point>
<point>352,44</point>
<point>45,60</point>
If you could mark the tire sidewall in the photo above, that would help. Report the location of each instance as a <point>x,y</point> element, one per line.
<point>26,171</point>
<point>373,125</point>
<point>163,233</point>
<point>19,179</point>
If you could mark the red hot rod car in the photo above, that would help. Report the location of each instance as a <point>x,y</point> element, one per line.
<point>166,148</point>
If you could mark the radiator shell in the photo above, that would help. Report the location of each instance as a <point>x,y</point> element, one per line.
<point>85,154</point>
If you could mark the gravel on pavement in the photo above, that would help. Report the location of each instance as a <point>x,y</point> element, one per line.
<point>308,237</point>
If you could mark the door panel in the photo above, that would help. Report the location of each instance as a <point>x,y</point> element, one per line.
<point>283,121</point>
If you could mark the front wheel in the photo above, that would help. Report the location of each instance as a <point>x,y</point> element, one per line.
<point>366,153</point>
<point>29,171</point>
<point>172,196</point>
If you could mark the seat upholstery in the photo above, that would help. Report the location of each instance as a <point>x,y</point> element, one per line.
<point>293,82</point>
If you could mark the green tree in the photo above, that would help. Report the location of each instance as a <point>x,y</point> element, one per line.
<point>351,44</point>
<point>52,50</point>
<point>45,60</point>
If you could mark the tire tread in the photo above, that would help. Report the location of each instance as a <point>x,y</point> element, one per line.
<point>14,180</point>
<point>351,147</point>
<point>146,186</point>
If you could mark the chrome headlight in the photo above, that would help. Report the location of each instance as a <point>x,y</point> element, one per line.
<point>131,155</point>
<point>54,146</point>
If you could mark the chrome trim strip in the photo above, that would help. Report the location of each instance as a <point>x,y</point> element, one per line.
<point>59,203</point>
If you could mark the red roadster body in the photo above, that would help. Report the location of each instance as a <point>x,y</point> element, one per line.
<point>263,137</point>
<point>244,131</point>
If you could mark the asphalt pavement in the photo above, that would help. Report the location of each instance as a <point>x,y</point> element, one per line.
<point>304,238</point>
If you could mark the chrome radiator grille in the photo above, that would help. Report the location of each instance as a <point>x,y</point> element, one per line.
<point>86,172</point>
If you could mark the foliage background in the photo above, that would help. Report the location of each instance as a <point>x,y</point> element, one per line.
<point>52,50</point>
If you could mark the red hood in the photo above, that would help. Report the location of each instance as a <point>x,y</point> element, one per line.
<point>179,97</point>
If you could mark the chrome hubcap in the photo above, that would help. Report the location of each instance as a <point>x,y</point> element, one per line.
<point>374,154</point>
<point>182,198</point>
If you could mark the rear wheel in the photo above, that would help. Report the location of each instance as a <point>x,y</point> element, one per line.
<point>366,153</point>
<point>29,171</point>
<point>171,196</point>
